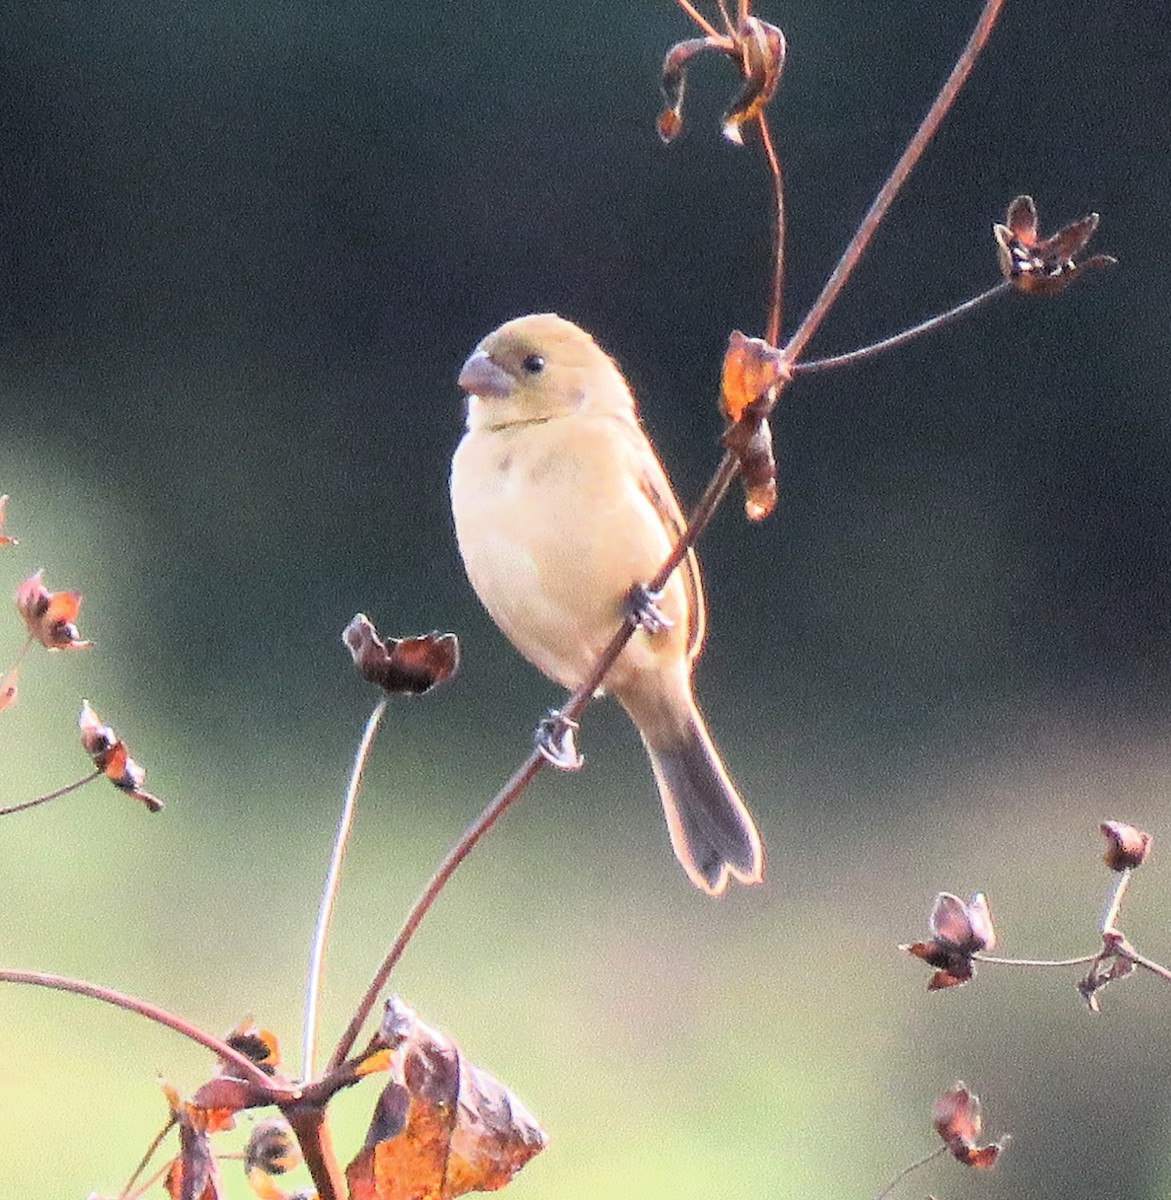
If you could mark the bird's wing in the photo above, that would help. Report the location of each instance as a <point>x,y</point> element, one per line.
<point>657,489</point>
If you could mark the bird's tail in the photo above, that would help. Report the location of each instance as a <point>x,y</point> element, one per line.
<point>711,829</point>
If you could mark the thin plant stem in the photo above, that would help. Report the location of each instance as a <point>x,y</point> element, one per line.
<point>144,1161</point>
<point>698,18</point>
<point>146,1184</point>
<point>775,306</point>
<point>508,795</point>
<point>1114,904</point>
<point>329,891</point>
<point>907,160</point>
<point>63,791</point>
<point>312,1134</point>
<point>1081,960</point>
<point>498,806</point>
<point>915,1166</point>
<point>1140,960</point>
<point>898,339</point>
<point>81,987</point>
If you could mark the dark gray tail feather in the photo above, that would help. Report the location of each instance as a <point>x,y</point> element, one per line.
<point>712,831</point>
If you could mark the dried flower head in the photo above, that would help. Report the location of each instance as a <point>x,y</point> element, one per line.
<point>260,1045</point>
<point>957,1120</point>
<point>1043,266</point>
<point>412,665</point>
<point>960,931</point>
<point>758,51</point>
<point>50,616</point>
<point>1126,846</point>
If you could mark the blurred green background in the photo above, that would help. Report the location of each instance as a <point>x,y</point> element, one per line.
<point>244,249</point>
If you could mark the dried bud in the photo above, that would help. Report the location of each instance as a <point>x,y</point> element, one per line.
<point>50,616</point>
<point>753,374</point>
<point>960,931</point>
<point>412,665</point>
<point>1126,846</point>
<point>111,757</point>
<point>260,1045</point>
<point>957,1120</point>
<point>271,1148</point>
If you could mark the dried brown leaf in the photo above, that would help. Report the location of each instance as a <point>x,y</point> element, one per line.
<point>442,1126</point>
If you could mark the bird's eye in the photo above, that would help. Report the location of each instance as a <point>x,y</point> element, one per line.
<point>534,364</point>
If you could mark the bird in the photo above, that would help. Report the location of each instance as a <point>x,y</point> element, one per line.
<point>562,512</point>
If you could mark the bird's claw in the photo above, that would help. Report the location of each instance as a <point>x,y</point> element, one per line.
<point>553,739</point>
<point>643,607</point>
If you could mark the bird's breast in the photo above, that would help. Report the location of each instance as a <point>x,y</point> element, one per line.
<point>554,530</point>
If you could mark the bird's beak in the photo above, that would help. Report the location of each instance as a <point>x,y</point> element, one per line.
<point>480,376</point>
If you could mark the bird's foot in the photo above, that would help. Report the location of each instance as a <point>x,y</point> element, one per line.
<point>554,740</point>
<point>643,607</point>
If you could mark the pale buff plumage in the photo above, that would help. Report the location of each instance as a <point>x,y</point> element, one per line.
<point>561,506</point>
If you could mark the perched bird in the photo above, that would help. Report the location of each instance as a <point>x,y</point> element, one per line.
<point>561,508</point>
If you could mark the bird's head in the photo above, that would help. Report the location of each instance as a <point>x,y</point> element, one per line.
<point>537,368</point>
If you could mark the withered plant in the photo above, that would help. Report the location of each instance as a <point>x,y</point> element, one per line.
<point>441,1126</point>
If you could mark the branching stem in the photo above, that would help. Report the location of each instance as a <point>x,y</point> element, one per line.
<point>717,488</point>
<point>907,160</point>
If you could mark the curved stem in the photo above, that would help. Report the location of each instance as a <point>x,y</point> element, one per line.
<point>497,807</point>
<point>81,987</point>
<point>773,328</point>
<point>898,339</point>
<point>1081,960</point>
<point>508,795</point>
<point>330,890</point>
<point>915,1166</point>
<point>907,160</point>
<point>63,791</point>
<point>1114,904</point>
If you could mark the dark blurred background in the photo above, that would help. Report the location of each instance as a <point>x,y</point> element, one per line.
<point>244,249</point>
